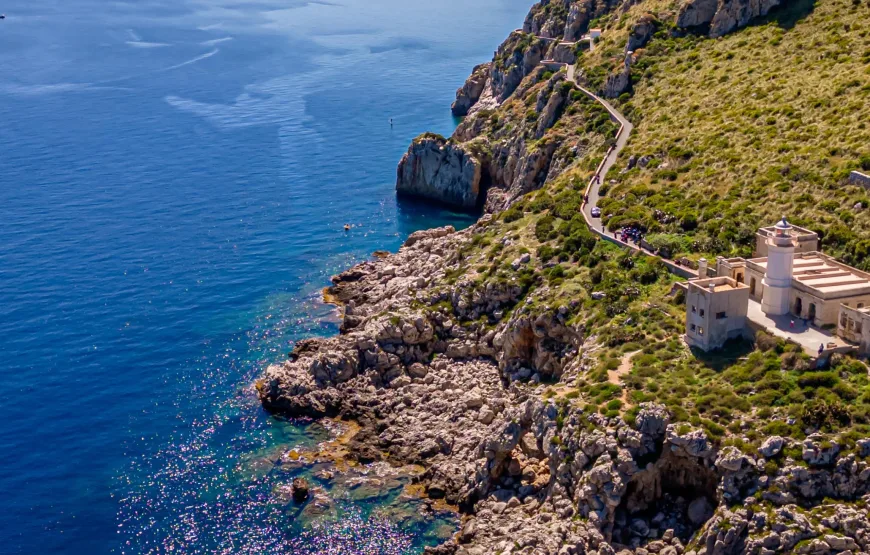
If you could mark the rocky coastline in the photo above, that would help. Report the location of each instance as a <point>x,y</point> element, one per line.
<point>444,366</point>
<point>533,475</point>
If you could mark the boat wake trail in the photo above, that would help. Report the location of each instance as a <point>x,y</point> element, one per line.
<point>193,60</point>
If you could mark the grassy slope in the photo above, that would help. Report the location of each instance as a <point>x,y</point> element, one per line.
<point>766,121</point>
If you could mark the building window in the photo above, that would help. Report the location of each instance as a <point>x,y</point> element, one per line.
<point>857,327</point>
<point>842,320</point>
<point>702,312</point>
<point>860,305</point>
<point>693,327</point>
<point>693,309</point>
<point>721,316</point>
<point>700,331</point>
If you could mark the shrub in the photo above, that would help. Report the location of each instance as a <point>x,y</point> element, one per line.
<point>544,228</point>
<point>818,379</point>
<point>512,214</point>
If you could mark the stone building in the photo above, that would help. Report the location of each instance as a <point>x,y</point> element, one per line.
<point>715,312</point>
<point>854,326</point>
<point>794,281</point>
<point>819,285</point>
<point>791,280</point>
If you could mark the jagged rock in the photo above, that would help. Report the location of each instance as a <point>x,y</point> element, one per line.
<point>731,459</point>
<point>469,93</point>
<point>551,101</point>
<point>417,370</point>
<point>435,233</point>
<point>468,531</point>
<point>576,21</point>
<point>692,444</point>
<point>436,169</point>
<point>563,52</point>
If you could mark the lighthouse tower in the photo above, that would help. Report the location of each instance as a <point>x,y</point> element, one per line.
<point>776,299</point>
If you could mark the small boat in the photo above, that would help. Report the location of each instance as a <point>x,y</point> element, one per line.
<point>2,16</point>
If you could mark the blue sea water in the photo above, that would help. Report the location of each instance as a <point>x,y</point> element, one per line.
<point>174,178</point>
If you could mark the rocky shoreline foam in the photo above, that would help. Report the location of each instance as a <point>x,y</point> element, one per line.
<point>450,372</point>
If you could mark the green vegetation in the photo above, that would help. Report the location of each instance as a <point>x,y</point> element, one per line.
<point>735,132</point>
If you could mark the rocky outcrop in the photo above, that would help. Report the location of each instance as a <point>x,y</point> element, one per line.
<point>437,169</point>
<point>547,18</point>
<point>694,13</point>
<point>516,58</point>
<point>491,84</point>
<point>577,21</point>
<point>563,52</point>
<point>617,82</point>
<point>641,32</point>
<point>468,95</point>
<point>723,16</point>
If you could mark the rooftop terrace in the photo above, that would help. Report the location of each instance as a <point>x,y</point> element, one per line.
<point>823,275</point>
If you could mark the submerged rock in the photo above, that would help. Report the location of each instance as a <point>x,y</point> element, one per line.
<point>300,490</point>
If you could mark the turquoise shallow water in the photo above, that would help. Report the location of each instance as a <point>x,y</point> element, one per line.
<point>175,178</point>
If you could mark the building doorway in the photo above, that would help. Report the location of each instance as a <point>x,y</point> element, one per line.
<point>751,287</point>
<point>811,315</point>
<point>740,277</point>
<point>798,306</point>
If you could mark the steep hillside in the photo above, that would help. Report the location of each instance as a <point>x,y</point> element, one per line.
<point>735,132</point>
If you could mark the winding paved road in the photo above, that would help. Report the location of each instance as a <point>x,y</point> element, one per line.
<point>621,140</point>
<point>594,187</point>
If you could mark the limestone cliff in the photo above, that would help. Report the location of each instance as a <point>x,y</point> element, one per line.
<point>517,57</point>
<point>565,19</point>
<point>514,145</point>
<point>723,16</point>
<point>437,169</point>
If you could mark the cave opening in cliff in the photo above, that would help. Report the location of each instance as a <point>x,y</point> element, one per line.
<point>674,493</point>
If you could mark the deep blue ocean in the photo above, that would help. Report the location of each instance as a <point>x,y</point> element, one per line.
<point>174,180</point>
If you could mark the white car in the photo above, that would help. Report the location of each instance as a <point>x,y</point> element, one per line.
<point>596,212</point>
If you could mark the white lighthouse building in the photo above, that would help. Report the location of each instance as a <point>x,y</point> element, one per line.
<point>777,282</point>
